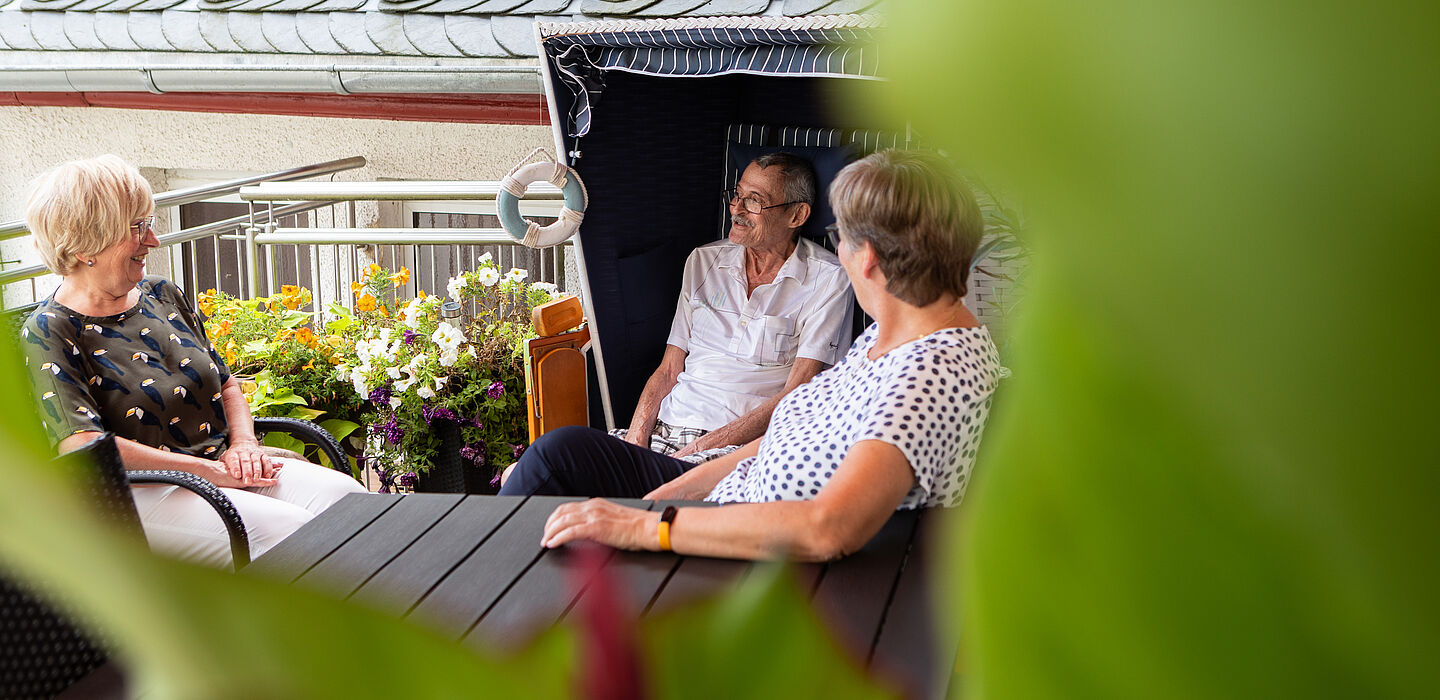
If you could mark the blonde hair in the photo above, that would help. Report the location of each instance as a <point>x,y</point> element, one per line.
<point>917,214</point>
<point>80,208</point>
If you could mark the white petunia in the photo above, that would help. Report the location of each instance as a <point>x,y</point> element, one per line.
<point>440,383</point>
<point>425,392</point>
<point>392,372</point>
<point>449,357</point>
<point>548,288</point>
<point>411,313</point>
<point>516,275</point>
<point>357,377</point>
<point>404,385</point>
<point>489,277</point>
<point>395,402</point>
<point>447,337</point>
<point>455,286</point>
<point>485,258</point>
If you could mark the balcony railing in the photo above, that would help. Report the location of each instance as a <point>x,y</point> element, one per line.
<point>311,234</point>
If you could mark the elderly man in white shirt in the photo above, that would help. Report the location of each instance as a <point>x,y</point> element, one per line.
<point>758,315</point>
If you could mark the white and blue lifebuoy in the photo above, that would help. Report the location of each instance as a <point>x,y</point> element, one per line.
<point>513,187</point>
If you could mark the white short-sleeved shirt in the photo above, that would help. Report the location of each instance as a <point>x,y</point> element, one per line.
<point>929,398</point>
<point>740,350</point>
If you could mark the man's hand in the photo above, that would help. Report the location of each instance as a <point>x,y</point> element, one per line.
<point>704,442</point>
<point>638,437</point>
<point>247,465</point>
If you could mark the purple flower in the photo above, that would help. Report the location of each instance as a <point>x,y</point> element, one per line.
<point>468,453</point>
<point>380,395</point>
<point>444,414</point>
<point>387,479</point>
<point>393,432</point>
<point>496,390</point>
<point>407,480</point>
<point>410,337</point>
<point>517,450</point>
<point>495,480</point>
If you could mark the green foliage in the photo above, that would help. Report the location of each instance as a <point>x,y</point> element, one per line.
<point>1209,476</point>
<point>762,641</point>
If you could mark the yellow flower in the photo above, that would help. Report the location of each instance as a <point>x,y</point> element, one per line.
<point>402,277</point>
<point>365,303</point>
<point>356,288</point>
<point>422,294</point>
<point>284,334</point>
<point>207,302</point>
<point>372,271</point>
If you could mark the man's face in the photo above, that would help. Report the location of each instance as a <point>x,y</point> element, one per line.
<point>771,228</point>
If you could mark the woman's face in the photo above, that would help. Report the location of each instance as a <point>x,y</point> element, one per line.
<point>123,263</point>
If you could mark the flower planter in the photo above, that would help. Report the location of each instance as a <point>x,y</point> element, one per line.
<point>450,472</point>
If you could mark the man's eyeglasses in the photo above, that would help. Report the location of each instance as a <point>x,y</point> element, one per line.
<point>751,203</point>
<point>142,227</point>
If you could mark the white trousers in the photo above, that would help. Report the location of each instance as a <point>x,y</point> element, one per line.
<point>180,524</point>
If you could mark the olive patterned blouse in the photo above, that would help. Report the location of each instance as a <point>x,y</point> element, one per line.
<point>148,374</point>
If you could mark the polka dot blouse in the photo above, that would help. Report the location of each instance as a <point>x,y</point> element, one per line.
<point>929,398</point>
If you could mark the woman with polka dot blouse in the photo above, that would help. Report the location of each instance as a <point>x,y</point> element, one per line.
<point>895,425</point>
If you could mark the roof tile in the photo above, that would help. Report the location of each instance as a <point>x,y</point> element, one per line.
<point>48,29</point>
<point>147,31</point>
<point>472,35</point>
<point>245,29</point>
<point>542,7</point>
<point>182,30</point>
<point>15,30</point>
<point>113,29</point>
<point>427,33</point>
<point>515,34</point>
<point>348,28</point>
<point>215,30</point>
<point>827,7</point>
<point>279,29</point>
<point>388,32</point>
<point>80,31</point>
<point>313,28</point>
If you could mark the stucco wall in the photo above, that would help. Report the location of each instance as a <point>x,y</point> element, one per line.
<point>162,143</point>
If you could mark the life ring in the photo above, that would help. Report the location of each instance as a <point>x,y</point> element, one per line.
<point>513,187</point>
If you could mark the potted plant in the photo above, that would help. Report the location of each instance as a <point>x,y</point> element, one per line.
<point>443,376</point>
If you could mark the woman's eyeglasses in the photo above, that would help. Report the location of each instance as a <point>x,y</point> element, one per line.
<point>833,232</point>
<point>142,227</point>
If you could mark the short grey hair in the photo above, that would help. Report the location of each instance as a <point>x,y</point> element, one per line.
<point>798,173</point>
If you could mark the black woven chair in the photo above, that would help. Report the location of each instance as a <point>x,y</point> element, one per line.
<point>41,652</point>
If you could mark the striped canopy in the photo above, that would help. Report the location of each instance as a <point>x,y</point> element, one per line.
<point>835,46</point>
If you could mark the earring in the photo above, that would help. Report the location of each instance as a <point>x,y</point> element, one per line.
<point>90,262</point>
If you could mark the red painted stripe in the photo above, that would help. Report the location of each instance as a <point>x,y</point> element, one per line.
<point>461,108</point>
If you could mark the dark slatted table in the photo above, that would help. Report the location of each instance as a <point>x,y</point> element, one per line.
<point>472,567</point>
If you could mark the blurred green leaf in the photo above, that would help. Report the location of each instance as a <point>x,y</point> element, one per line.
<point>339,428</point>
<point>1211,473</point>
<point>761,641</point>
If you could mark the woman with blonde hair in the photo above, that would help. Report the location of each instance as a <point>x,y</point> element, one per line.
<point>895,425</point>
<point>116,350</point>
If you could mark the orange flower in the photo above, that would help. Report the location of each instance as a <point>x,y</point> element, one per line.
<point>365,303</point>
<point>306,336</point>
<point>290,296</point>
<point>356,288</point>
<point>372,271</point>
<point>224,327</point>
<point>422,294</point>
<point>384,311</point>
<point>402,277</point>
<point>207,302</point>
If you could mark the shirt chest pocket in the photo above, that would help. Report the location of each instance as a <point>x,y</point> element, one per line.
<point>770,340</point>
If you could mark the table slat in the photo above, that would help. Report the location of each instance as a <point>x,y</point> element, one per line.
<point>642,575</point>
<point>350,566</point>
<point>853,594</point>
<point>473,587</point>
<point>914,648</point>
<point>317,538</point>
<point>407,578</point>
<point>540,597</point>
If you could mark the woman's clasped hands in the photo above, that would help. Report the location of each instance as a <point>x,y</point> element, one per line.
<point>245,465</point>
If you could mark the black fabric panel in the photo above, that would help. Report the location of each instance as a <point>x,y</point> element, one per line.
<point>654,164</point>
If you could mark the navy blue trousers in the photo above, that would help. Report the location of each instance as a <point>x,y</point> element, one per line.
<point>580,461</point>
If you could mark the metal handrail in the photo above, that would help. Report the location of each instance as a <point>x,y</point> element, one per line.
<point>182,236</point>
<point>389,191</point>
<point>189,195</point>
<point>384,236</point>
